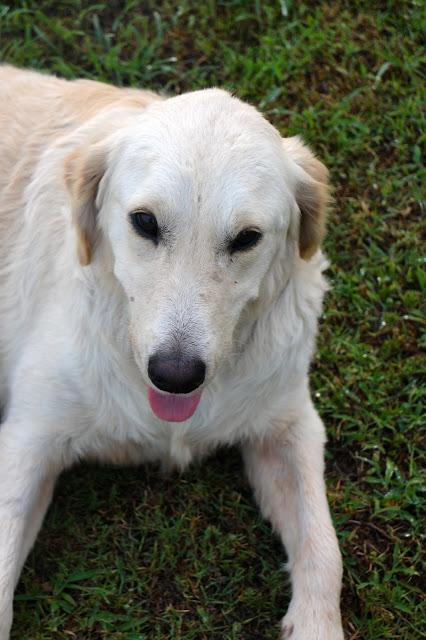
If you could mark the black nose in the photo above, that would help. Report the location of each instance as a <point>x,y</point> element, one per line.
<point>176,373</point>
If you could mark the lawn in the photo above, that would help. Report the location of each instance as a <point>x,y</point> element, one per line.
<point>128,555</point>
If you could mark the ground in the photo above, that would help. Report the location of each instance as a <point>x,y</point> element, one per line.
<point>127,555</point>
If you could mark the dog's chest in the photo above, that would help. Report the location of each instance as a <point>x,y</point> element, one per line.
<point>126,431</point>
<point>170,447</point>
<point>126,440</point>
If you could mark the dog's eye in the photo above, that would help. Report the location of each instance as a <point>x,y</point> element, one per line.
<point>245,240</point>
<point>145,224</point>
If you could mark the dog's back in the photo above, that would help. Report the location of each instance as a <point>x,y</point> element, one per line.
<point>37,112</point>
<point>36,109</point>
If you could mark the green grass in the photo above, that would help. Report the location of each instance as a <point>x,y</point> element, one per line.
<point>127,555</point>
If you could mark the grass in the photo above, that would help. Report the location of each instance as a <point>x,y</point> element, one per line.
<point>126,555</point>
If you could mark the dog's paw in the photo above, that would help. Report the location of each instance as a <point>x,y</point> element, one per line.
<point>286,631</point>
<point>5,630</point>
<point>5,624</point>
<point>304,625</point>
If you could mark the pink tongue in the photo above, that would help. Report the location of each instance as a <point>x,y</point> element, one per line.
<point>173,408</point>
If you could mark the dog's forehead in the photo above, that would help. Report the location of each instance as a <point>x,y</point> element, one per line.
<point>212,129</point>
<point>203,149</point>
<point>212,112</point>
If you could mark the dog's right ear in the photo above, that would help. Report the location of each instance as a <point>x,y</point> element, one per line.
<point>84,169</point>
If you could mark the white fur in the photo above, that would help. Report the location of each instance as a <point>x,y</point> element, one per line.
<point>75,340</point>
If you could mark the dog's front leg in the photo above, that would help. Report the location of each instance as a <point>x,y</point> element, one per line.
<point>26,485</point>
<point>286,471</point>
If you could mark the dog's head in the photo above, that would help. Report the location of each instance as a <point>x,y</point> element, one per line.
<point>201,205</point>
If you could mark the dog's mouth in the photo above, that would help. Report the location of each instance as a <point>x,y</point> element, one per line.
<point>173,407</point>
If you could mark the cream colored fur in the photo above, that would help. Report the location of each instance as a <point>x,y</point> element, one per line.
<point>84,301</point>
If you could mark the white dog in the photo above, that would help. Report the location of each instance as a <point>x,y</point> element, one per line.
<point>160,284</point>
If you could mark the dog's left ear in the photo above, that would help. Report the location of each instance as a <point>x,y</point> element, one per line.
<point>312,196</point>
<point>84,169</point>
